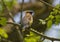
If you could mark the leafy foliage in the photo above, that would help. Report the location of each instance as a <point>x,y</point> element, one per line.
<point>10,3</point>
<point>3,21</point>
<point>54,17</point>
<point>3,33</point>
<point>32,38</point>
<point>49,23</point>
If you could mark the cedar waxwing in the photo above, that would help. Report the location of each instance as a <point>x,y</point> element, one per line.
<point>27,20</point>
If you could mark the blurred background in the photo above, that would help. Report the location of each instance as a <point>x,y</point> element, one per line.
<point>41,11</point>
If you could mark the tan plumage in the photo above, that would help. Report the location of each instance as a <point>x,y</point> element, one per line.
<point>27,20</point>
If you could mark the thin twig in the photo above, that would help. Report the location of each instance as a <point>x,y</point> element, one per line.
<point>13,23</point>
<point>46,37</point>
<point>11,16</point>
<point>6,40</point>
<point>17,28</point>
<point>21,11</point>
<point>50,38</point>
<point>9,13</point>
<point>48,4</point>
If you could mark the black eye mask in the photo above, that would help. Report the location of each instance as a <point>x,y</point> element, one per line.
<point>29,12</point>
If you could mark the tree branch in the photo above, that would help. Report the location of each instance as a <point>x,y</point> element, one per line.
<point>6,40</point>
<point>13,23</point>
<point>9,13</point>
<point>32,6</point>
<point>11,16</point>
<point>48,4</point>
<point>46,37</point>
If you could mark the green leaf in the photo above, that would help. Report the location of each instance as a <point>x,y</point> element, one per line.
<point>32,38</point>
<point>3,21</point>
<point>52,13</point>
<point>42,21</point>
<point>49,23</point>
<point>3,33</point>
<point>57,19</point>
<point>10,3</point>
<point>51,17</point>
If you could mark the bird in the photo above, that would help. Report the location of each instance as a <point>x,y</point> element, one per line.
<point>27,21</point>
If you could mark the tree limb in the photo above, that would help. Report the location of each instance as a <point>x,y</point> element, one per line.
<point>48,4</point>
<point>28,6</point>
<point>11,16</point>
<point>13,23</point>
<point>9,13</point>
<point>46,37</point>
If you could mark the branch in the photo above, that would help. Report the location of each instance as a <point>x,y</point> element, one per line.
<point>48,4</point>
<point>37,5</point>
<point>11,16</point>
<point>13,23</point>
<point>46,37</point>
<point>6,40</point>
<point>27,6</point>
<point>9,13</point>
<point>18,30</point>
